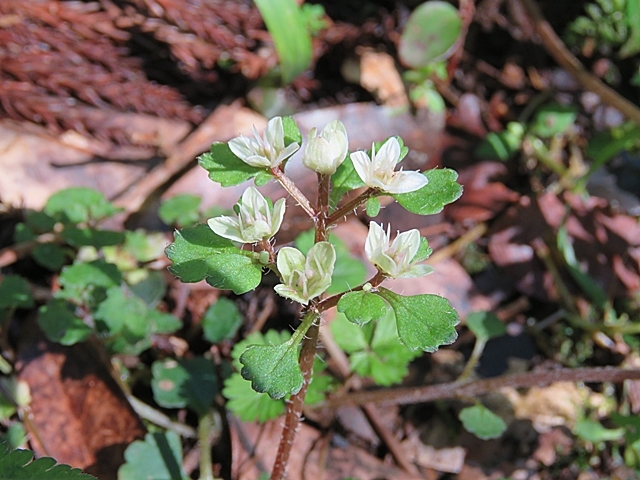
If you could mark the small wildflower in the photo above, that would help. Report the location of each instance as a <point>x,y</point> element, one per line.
<point>379,170</point>
<point>325,152</point>
<point>255,221</point>
<point>395,260</point>
<point>267,151</point>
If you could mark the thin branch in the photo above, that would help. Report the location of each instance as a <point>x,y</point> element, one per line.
<point>408,396</point>
<point>571,64</point>
<point>294,191</point>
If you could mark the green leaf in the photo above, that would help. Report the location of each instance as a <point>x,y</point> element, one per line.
<point>553,119</point>
<point>150,286</point>
<point>344,180</point>
<point>373,207</point>
<point>424,322</point>
<point>78,205</point>
<point>15,293</point>
<point>424,251</point>
<point>129,323</point>
<point>348,271</point>
<point>501,145</point>
<point>23,233</point>
<point>225,168</point>
<point>482,422</point>
<point>485,325</point>
<point>20,465</point>
<point>181,210</point>
<point>291,131</point>
<point>430,199</point>
<point>60,324</point>
<point>158,457</point>
<point>15,436</point>
<point>273,369</point>
<point>82,237</point>
<point>221,320</point>
<point>144,246</point>
<point>362,307</point>
<point>430,34</point>
<point>374,349</point>
<point>39,222</point>
<point>293,43</point>
<point>49,255</point>
<point>87,283</point>
<point>184,383</point>
<point>198,254</point>
<point>607,144</point>
<point>632,45</point>
<point>594,432</point>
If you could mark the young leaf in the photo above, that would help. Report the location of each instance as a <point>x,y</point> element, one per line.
<point>424,322</point>
<point>184,383</point>
<point>158,457</point>
<point>15,293</point>
<point>198,254</point>
<point>181,210</point>
<point>221,320</point>
<point>485,325</point>
<point>78,205</point>
<point>225,168</point>
<point>87,283</point>
<point>482,422</point>
<point>362,307</point>
<point>273,369</point>
<point>441,190</point>
<point>60,324</point>
<point>82,237</point>
<point>373,207</point>
<point>49,255</point>
<point>374,350</point>
<point>19,465</point>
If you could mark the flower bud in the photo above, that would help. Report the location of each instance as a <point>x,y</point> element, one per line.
<point>325,152</point>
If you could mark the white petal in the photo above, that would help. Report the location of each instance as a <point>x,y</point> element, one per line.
<point>388,154</point>
<point>376,241</point>
<point>274,133</point>
<point>241,147</point>
<point>417,271</point>
<point>362,165</point>
<point>257,161</point>
<point>289,259</point>
<point>322,256</point>
<point>408,242</point>
<point>226,227</point>
<point>284,154</point>
<point>405,182</point>
<point>290,293</point>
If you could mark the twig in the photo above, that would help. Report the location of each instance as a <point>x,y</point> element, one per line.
<point>571,64</point>
<point>408,396</point>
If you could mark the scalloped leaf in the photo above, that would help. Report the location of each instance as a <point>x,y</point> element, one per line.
<point>424,322</point>
<point>225,168</point>
<point>87,283</point>
<point>78,205</point>
<point>221,320</point>
<point>361,307</point>
<point>199,254</point>
<point>273,369</point>
<point>158,457</point>
<point>482,422</point>
<point>441,190</point>
<point>20,465</point>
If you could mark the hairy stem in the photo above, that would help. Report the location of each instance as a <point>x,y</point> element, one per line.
<point>348,207</point>
<point>294,191</point>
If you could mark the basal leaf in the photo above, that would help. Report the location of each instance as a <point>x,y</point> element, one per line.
<point>199,254</point>
<point>82,237</point>
<point>78,205</point>
<point>181,210</point>
<point>60,324</point>
<point>485,325</point>
<point>224,167</point>
<point>20,465</point>
<point>482,422</point>
<point>273,369</point>
<point>184,383</point>
<point>221,320</point>
<point>362,307</point>
<point>158,457</point>
<point>15,293</point>
<point>424,322</point>
<point>441,190</point>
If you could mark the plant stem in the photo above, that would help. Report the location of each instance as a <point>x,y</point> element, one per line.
<point>322,209</point>
<point>295,404</point>
<point>332,301</point>
<point>344,210</point>
<point>206,424</point>
<point>478,348</point>
<point>294,191</point>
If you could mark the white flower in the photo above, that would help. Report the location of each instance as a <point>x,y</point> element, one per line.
<point>255,221</point>
<point>325,152</point>
<point>267,151</point>
<point>305,278</point>
<point>379,170</point>
<point>395,260</point>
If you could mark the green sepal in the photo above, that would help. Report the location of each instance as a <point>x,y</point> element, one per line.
<point>225,168</point>
<point>424,322</point>
<point>361,307</point>
<point>273,369</point>
<point>441,190</point>
<point>199,254</point>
